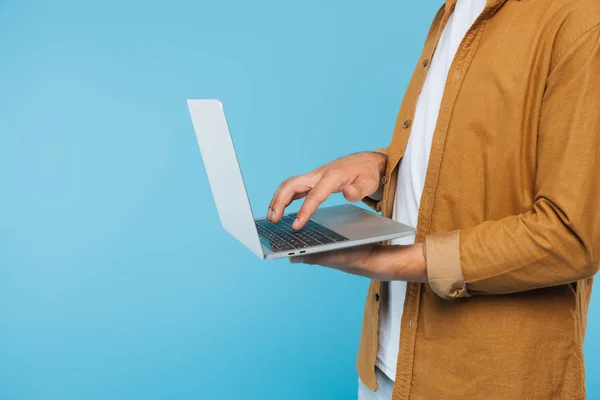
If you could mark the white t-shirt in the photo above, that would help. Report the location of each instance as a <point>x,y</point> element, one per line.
<point>413,168</point>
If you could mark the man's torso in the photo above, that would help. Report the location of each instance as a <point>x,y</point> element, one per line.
<point>412,170</point>
<point>482,167</point>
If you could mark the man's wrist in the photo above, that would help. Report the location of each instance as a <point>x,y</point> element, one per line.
<point>382,159</point>
<point>402,262</point>
<point>416,263</point>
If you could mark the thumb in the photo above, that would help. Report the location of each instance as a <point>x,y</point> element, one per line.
<point>356,191</point>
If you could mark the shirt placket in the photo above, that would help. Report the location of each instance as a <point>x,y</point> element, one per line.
<point>456,74</point>
<point>389,181</point>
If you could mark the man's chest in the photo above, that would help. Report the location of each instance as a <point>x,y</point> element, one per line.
<point>483,141</point>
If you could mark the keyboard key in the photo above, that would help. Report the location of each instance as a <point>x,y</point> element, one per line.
<point>319,237</point>
<point>282,236</point>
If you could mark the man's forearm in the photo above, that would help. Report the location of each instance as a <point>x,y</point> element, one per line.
<point>406,263</point>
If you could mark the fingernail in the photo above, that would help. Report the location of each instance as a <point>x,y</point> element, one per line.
<point>296,260</point>
<point>296,223</point>
<point>270,213</point>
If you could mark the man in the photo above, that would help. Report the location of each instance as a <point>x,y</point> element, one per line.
<point>495,159</point>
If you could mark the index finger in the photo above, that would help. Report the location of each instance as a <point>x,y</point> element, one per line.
<point>291,189</point>
<point>329,184</point>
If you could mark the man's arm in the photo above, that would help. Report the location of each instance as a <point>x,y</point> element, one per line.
<point>558,240</point>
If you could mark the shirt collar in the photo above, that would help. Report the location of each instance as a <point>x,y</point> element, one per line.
<point>491,4</point>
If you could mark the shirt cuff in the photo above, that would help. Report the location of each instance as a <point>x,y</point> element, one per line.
<point>373,204</point>
<point>443,265</point>
<point>383,150</point>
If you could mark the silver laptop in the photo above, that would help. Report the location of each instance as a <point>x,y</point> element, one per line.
<point>330,228</point>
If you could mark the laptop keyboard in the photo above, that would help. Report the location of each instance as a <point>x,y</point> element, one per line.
<point>281,236</point>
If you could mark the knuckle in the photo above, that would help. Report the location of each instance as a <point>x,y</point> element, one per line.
<point>333,173</point>
<point>310,197</point>
<point>277,196</point>
<point>319,170</point>
<point>314,196</point>
<point>279,201</point>
<point>292,180</point>
<point>285,188</point>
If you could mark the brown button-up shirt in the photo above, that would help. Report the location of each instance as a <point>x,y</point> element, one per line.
<point>510,212</point>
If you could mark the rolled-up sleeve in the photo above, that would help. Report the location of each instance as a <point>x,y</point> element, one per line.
<point>557,241</point>
<point>443,265</point>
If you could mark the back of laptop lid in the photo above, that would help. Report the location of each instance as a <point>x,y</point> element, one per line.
<point>224,172</point>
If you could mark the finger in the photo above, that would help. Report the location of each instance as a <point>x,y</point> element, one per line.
<point>272,203</point>
<point>330,258</point>
<point>330,261</point>
<point>329,184</point>
<point>289,190</point>
<point>324,259</point>
<point>271,214</point>
<point>358,190</point>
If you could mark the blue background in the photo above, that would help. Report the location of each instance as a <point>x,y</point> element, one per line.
<point>116,281</point>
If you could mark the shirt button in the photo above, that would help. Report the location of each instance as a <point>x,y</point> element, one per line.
<point>384,179</point>
<point>406,123</point>
<point>376,297</point>
<point>425,62</point>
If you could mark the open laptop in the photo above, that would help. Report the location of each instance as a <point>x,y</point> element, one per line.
<point>330,228</point>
